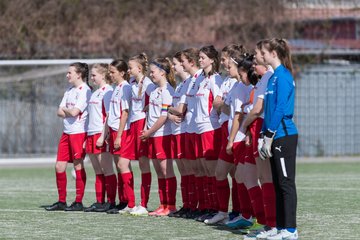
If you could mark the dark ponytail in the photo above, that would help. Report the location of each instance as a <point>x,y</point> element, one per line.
<point>247,65</point>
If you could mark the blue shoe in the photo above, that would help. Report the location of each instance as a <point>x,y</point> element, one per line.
<point>240,222</point>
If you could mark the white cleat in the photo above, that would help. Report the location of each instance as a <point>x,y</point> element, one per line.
<point>219,217</point>
<point>263,235</point>
<point>285,235</point>
<point>140,211</point>
<point>127,210</point>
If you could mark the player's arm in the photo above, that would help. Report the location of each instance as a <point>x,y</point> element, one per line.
<point>71,112</point>
<point>254,113</point>
<point>234,129</point>
<point>179,110</point>
<point>61,113</point>
<point>218,102</point>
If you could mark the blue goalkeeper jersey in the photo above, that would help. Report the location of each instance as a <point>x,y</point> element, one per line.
<point>279,103</point>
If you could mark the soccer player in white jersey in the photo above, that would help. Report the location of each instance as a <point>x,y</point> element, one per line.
<point>73,109</point>
<point>141,88</point>
<point>186,106</point>
<point>178,127</point>
<point>208,127</point>
<point>225,163</point>
<point>158,133</point>
<point>97,131</point>
<point>253,123</point>
<point>119,132</point>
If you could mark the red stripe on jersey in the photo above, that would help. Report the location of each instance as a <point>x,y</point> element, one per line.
<point>103,111</point>
<point>147,99</point>
<point>211,99</point>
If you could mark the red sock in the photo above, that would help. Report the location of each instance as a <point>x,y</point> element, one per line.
<point>100,188</point>
<point>213,194</point>
<point>80,184</point>
<point>120,188</point>
<point>234,197</point>
<point>244,199</point>
<point>223,194</point>
<point>171,186</point>
<point>269,204</point>
<point>162,190</point>
<point>256,197</point>
<point>184,190</point>
<point>200,192</point>
<point>193,201</point>
<point>61,182</point>
<point>128,190</point>
<point>207,188</point>
<point>145,188</point>
<point>110,185</point>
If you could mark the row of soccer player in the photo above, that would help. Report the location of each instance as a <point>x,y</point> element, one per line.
<point>211,126</point>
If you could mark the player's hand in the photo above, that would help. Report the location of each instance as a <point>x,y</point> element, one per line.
<point>266,148</point>
<point>145,134</point>
<point>229,147</point>
<point>100,142</point>
<point>117,142</point>
<point>248,139</point>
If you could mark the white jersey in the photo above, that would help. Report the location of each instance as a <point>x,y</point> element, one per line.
<point>76,98</point>
<point>98,108</point>
<point>140,93</point>
<point>120,101</point>
<point>159,103</point>
<point>259,91</point>
<point>225,88</point>
<point>189,100</point>
<point>206,117</point>
<point>178,98</point>
<point>238,95</point>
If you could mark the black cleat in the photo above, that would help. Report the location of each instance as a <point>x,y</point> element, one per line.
<point>58,206</point>
<point>105,207</point>
<point>93,207</point>
<point>178,213</point>
<point>75,206</point>
<point>121,205</point>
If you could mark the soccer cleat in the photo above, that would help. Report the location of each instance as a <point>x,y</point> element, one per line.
<point>121,205</point>
<point>140,211</point>
<point>240,222</point>
<point>285,235</point>
<point>220,216</point>
<point>158,210</point>
<point>192,214</point>
<point>233,215</point>
<point>75,206</point>
<point>127,210</point>
<point>178,213</point>
<point>169,209</point>
<point>58,206</point>
<point>263,235</point>
<point>93,207</point>
<point>202,214</point>
<point>256,227</point>
<point>105,207</point>
<point>209,214</point>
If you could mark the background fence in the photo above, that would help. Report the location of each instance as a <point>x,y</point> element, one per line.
<point>327,109</point>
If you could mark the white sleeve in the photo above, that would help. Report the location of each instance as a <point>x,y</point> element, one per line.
<point>215,85</point>
<point>82,101</point>
<point>240,99</point>
<point>126,98</point>
<point>63,101</point>
<point>107,100</point>
<point>261,89</point>
<point>166,102</point>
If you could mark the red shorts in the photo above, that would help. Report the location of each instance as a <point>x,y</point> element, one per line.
<point>239,151</point>
<point>70,147</point>
<point>224,140</point>
<point>255,129</point>
<point>178,146</point>
<point>210,143</point>
<point>137,148</point>
<point>160,147</point>
<point>249,155</point>
<point>124,143</point>
<point>91,145</point>
<point>191,146</point>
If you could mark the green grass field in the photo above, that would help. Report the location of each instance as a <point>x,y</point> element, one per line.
<point>328,208</point>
